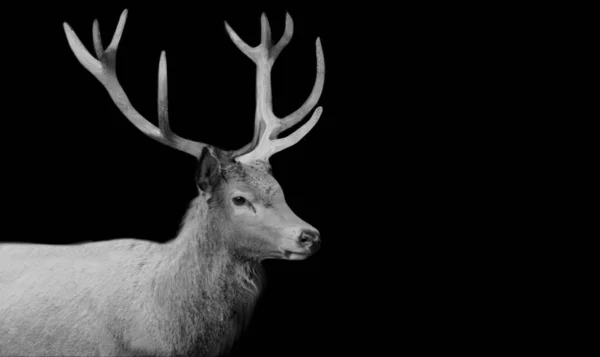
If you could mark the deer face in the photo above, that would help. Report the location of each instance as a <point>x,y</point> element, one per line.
<point>261,225</point>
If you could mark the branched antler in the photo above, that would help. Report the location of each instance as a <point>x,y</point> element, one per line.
<point>267,126</point>
<point>104,69</point>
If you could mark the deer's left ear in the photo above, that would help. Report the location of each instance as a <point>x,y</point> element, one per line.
<point>208,171</point>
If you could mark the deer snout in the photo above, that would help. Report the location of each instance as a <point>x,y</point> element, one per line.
<point>301,244</point>
<point>310,238</point>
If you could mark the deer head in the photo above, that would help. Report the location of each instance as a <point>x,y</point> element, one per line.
<point>237,185</point>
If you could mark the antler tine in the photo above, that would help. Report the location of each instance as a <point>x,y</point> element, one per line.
<point>97,39</point>
<point>163,104</point>
<point>313,98</point>
<point>285,38</point>
<point>267,126</point>
<point>104,69</point>
<point>265,31</point>
<point>247,50</point>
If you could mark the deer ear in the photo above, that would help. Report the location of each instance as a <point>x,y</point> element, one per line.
<point>208,171</point>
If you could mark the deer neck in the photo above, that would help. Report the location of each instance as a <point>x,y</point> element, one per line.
<point>201,256</point>
<point>203,286</point>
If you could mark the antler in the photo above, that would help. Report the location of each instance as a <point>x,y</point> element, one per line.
<point>266,125</point>
<point>104,69</point>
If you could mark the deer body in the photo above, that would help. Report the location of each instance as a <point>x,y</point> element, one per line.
<point>191,295</point>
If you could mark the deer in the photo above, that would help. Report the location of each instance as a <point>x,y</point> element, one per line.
<point>193,294</point>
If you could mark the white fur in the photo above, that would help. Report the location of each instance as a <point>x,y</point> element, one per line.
<point>126,296</point>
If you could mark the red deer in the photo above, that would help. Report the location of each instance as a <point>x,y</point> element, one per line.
<point>193,294</point>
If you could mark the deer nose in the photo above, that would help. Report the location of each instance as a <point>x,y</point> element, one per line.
<point>309,239</point>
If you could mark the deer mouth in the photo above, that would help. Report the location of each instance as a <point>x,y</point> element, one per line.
<point>295,255</point>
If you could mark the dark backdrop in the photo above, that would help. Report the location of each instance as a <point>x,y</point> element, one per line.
<point>75,169</point>
<point>409,174</point>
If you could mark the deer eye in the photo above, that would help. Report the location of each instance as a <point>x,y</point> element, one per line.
<point>239,201</point>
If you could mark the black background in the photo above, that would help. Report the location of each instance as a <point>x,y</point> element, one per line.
<point>77,170</point>
<point>415,174</point>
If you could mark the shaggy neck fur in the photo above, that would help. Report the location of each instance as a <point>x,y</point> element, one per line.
<point>206,292</point>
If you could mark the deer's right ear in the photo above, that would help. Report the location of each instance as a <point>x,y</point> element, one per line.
<point>208,171</point>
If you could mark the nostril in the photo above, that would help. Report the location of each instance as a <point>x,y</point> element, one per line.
<point>308,237</point>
